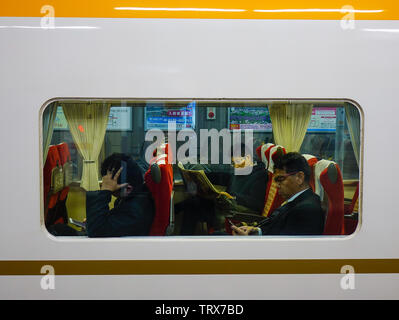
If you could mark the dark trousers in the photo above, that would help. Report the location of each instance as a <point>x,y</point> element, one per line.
<point>196,210</point>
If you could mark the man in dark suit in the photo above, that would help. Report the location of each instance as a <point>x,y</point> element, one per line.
<point>133,211</point>
<point>301,213</point>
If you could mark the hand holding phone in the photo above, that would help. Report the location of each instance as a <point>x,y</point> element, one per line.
<point>110,180</point>
<point>244,230</point>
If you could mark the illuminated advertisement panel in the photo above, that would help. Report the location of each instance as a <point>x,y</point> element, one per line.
<point>157,116</point>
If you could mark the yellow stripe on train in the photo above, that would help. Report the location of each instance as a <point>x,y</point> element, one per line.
<point>206,9</point>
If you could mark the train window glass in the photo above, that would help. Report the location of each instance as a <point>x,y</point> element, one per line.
<point>219,157</point>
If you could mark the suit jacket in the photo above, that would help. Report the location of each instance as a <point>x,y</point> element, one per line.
<point>250,189</point>
<point>302,216</point>
<point>132,216</point>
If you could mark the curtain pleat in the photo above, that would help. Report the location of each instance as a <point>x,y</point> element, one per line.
<point>88,123</point>
<point>290,122</point>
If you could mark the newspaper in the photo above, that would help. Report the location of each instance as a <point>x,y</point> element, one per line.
<point>197,183</point>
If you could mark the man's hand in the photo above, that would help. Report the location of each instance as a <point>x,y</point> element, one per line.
<point>111,183</point>
<point>244,230</point>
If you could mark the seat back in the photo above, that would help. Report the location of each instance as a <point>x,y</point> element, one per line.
<point>159,180</point>
<point>258,152</point>
<point>53,183</point>
<point>61,215</point>
<point>312,160</point>
<point>351,213</point>
<point>272,198</point>
<point>329,186</point>
<point>162,152</point>
<point>66,164</point>
<point>264,152</point>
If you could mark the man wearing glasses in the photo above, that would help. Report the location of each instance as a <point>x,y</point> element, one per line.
<point>301,213</point>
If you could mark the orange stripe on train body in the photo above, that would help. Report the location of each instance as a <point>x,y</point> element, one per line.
<point>198,267</point>
<point>206,9</point>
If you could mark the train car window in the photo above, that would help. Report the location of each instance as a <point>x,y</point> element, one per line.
<point>125,168</point>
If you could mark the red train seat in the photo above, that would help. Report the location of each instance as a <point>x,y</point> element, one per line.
<point>329,184</point>
<point>272,198</point>
<point>265,152</point>
<point>159,180</point>
<point>61,215</point>
<point>66,164</point>
<point>312,160</point>
<point>351,213</point>
<point>53,183</point>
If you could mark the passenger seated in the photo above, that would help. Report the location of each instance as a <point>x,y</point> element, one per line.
<point>248,190</point>
<point>244,193</point>
<point>301,213</point>
<point>133,210</point>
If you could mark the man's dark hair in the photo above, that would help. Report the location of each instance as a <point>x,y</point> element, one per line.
<point>133,173</point>
<point>293,162</point>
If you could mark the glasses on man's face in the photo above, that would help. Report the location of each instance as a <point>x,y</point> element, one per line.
<point>282,177</point>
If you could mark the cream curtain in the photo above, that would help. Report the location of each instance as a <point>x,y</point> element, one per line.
<point>290,122</point>
<point>88,123</point>
<point>48,127</point>
<point>353,120</point>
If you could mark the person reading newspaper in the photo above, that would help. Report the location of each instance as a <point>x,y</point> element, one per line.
<point>244,193</point>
